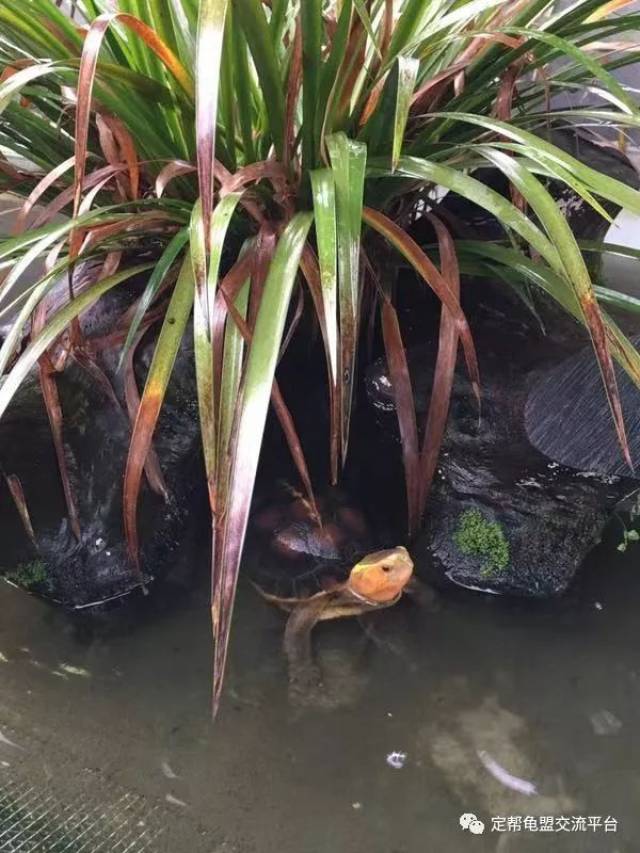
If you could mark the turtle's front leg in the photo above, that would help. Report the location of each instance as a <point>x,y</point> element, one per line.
<point>423,595</point>
<point>304,674</point>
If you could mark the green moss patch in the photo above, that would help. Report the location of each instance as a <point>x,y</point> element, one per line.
<point>28,575</point>
<point>478,537</point>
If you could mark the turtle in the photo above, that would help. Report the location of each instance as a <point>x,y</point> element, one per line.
<point>326,568</point>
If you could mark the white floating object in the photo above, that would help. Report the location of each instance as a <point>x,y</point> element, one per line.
<point>7,742</point>
<point>168,772</point>
<point>522,786</point>
<point>605,723</point>
<point>598,605</point>
<point>396,760</point>
<point>75,670</point>
<point>175,801</point>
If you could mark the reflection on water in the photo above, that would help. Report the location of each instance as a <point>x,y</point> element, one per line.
<point>496,708</point>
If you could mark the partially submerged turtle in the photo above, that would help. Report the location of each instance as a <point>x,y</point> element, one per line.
<point>317,572</point>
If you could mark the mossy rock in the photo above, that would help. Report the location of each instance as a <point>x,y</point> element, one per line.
<point>477,536</point>
<point>30,576</point>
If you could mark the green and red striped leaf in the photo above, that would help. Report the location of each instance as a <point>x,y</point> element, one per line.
<point>256,392</point>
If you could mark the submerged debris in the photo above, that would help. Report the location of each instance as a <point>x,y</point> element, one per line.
<point>522,786</point>
<point>605,723</point>
<point>175,801</point>
<point>74,670</point>
<point>397,760</point>
<point>167,770</point>
<point>5,740</point>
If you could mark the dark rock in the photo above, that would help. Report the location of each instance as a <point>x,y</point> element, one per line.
<point>473,222</point>
<point>586,223</point>
<point>568,418</point>
<point>502,517</point>
<point>96,437</point>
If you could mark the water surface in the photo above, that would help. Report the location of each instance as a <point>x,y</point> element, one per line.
<point>113,715</point>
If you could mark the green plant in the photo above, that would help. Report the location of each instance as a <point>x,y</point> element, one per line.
<point>309,132</point>
<point>629,533</point>
<point>478,537</point>
<point>29,575</point>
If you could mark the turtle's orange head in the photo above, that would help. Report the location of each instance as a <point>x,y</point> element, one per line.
<point>380,577</point>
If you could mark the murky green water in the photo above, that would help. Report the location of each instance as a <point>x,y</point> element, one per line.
<point>111,724</point>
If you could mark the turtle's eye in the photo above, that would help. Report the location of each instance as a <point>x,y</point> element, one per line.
<point>386,568</point>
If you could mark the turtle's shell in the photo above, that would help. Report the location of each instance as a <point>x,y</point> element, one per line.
<point>296,558</point>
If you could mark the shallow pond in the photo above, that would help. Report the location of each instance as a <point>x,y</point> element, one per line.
<point>498,708</point>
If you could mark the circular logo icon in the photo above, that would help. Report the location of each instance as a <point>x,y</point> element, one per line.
<point>471,823</point>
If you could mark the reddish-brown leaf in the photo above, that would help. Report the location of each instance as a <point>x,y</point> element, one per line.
<point>53,408</point>
<point>17,493</point>
<point>444,370</point>
<point>152,467</point>
<point>118,146</point>
<point>211,18</point>
<point>269,169</point>
<point>293,324</point>
<point>38,191</point>
<point>265,247</point>
<point>387,27</point>
<point>294,81</point>
<point>601,346</point>
<point>405,410</point>
<point>354,59</point>
<point>86,80</point>
<point>172,170</point>
<point>227,291</point>
<point>66,196</point>
<point>420,100</point>
<point>54,413</point>
<point>407,246</point>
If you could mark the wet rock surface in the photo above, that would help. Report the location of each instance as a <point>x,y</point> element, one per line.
<point>570,400</point>
<point>96,431</point>
<point>502,517</point>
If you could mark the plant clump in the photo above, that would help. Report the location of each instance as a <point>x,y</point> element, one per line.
<point>476,536</point>
<point>29,575</point>
<point>239,152</point>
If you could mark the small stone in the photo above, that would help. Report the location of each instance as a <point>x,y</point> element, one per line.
<point>356,806</point>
